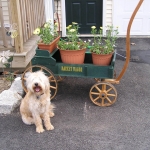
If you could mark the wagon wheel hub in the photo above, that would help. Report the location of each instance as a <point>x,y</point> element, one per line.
<point>103,95</point>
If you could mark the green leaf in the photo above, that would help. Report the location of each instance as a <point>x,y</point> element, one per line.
<point>10,59</point>
<point>7,65</point>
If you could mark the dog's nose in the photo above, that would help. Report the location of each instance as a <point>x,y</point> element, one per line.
<point>36,84</point>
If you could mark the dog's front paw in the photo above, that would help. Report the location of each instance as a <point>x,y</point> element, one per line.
<point>51,114</point>
<point>49,127</point>
<point>39,129</point>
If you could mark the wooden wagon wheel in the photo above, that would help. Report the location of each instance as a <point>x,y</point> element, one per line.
<point>52,80</point>
<point>59,78</point>
<point>103,94</point>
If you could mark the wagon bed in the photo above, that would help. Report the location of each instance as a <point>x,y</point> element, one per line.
<point>53,62</point>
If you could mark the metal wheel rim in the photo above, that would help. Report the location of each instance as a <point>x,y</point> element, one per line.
<point>100,94</point>
<point>51,79</point>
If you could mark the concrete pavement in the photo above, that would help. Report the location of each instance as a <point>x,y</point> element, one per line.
<point>81,125</point>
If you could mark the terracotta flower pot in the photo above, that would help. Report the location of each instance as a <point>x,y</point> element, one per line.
<point>101,59</point>
<point>72,56</point>
<point>50,47</point>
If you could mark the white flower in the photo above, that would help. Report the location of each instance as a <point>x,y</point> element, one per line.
<point>72,30</point>
<point>89,40</point>
<point>36,31</point>
<point>74,23</point>
<point>93,27</point>
<point>5,56</point>
<point>46,25</point>
<point>56,24</point>
<point>84,41</point>
<point>14,34</point>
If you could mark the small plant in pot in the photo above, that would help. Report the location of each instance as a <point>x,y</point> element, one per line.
<point>103,47</point>
<point>72,48</point>
<point>48,36</point>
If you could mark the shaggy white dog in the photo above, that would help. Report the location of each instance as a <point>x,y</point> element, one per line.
<point>36,105</point>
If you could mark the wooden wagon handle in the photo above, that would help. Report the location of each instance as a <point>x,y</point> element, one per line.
<point>128,41</point>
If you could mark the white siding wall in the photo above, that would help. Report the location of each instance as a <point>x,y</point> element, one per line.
<point>5,11</point>
<point>108,12</point>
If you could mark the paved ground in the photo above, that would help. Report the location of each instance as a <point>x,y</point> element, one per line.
<point>80,125</point>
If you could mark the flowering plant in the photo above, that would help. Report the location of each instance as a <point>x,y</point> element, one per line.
<point>106,45</point>
<point>72,41</point>
<point>48,32</point>
<point>6,60</point>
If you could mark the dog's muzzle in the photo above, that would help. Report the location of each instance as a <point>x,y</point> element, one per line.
<point>37,88</point>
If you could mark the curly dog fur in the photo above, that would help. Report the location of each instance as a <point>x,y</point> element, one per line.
<point>36,105</point>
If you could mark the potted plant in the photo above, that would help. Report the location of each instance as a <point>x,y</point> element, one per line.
<point>48,36</point>
<point>103,48</point>
<point>72,49</point>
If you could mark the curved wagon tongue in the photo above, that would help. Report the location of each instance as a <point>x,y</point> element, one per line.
<point>37,89</point>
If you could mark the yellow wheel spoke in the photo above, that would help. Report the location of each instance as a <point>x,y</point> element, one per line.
<point>103,101</point>
<point>96,99</point>
<point>50,77</point>
<point>52,81</point>
<point>53,87</point>
<point>103,87</point>
<point>111,95</point>
<point>108,100</point>
<point>109,90</point>
<point>94,93</point>
<point>97,88</point>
